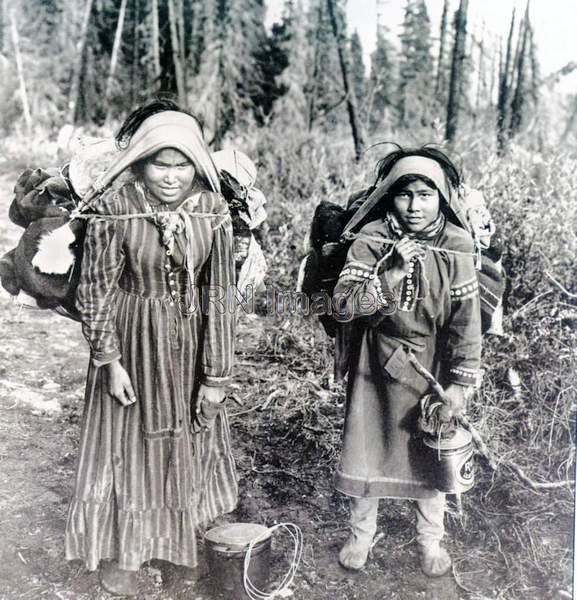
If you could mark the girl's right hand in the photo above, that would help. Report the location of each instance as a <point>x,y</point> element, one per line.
<point>403,252</point>
<point>119,384</point>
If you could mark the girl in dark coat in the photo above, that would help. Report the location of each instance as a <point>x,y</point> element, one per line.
<point>409,282</point>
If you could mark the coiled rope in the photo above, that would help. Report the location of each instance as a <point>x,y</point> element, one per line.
<point>282,591</point>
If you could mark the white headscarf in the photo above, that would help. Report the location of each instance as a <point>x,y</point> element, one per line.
<point>167,129</point>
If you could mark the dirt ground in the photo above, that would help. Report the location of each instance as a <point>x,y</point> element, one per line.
<point>43,361</point>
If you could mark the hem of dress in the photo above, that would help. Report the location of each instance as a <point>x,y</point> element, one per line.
<point>92,547</point>
<point>381,487</point>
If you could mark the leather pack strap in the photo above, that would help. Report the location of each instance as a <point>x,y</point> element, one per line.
<point>374,198</point>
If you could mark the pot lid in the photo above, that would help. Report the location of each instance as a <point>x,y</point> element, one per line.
<point>237,535</point>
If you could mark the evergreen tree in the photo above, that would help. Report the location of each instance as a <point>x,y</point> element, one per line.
<point>326,90</point>
<point>271,59</point>
<point>43,25</point>
<point>357,73</point>
<point>294,81</point>
<point>443,64</point>
<point>382,83</point>
<point>230,79</point>
<point>195,18</point>
<point>416,85</point>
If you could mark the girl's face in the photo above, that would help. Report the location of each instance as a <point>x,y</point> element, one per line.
<point>416,206</point>
<point>168,175</point>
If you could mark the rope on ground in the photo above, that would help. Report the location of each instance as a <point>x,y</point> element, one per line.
<point>283,590</point>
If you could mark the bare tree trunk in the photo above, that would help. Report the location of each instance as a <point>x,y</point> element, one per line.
<point>195,29</point>
<point>67,21</point>
<point>481,83</point>
<point>114,55</point>
<point>515,61</point>
<point>350,95</point>
<point>455,86</point>
<point>502,102</point>
<point>440,79</point>
<point>135,49</point>
<point>219,122</point>
<point>571,123</point>
<point>181,37</point>
<point>155,41</point>
<point>495,58</point>
<point>371,100</point>
<point>176,53</point>
<point>20,71</point>
<point>2,18</point>
<point>181,28</point>
<point>518,100</point>
<point>77,68</point>
<point>315,74</point>
<point>534,67</point>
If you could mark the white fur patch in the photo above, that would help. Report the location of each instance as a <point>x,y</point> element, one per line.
<point>24,299</point>
<point>54,254</point>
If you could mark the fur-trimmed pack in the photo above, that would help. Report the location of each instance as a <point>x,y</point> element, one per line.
<point>38,275</point>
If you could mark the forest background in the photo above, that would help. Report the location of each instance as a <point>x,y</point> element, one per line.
<point>299,98</point>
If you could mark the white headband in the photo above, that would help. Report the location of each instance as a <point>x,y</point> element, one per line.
<point>419,165</point>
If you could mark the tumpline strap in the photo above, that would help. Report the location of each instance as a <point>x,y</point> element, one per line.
<point>375,197</point>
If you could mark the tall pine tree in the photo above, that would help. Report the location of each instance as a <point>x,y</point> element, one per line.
<point>382,82</point>
<point>357,73</point>
<point>290,35</point>
<point>416,84</point>
<point>230,77</point>
<point>326,96</point>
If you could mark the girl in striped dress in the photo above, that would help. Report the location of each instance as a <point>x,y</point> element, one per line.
<point>409,283</point>
<point>155,458</point>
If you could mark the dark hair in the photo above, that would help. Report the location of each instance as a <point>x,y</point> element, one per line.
<point>135,119</point>
<point>386,163</point>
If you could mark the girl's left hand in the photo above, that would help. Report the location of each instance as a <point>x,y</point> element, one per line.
<point>457,395</point>
<point>208,405</point>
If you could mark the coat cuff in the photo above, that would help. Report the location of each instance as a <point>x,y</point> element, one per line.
<point>213,381</point>
<point>99,359</point>
<point>464,376</point>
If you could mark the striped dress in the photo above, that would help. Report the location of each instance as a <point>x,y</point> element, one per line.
<point>147,476</point>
